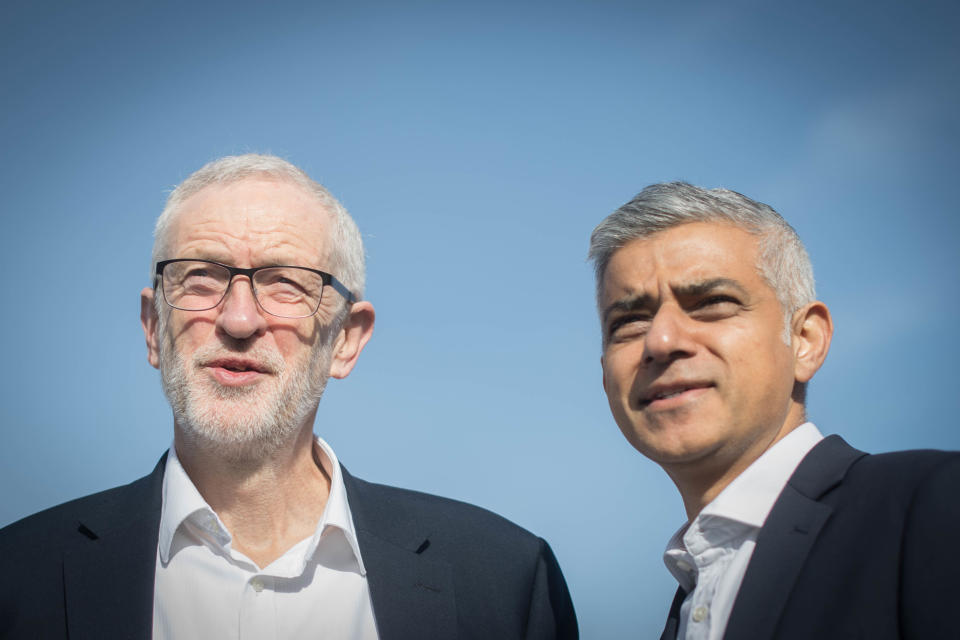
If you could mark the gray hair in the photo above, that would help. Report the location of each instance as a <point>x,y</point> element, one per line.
<point>346,245</point>
<point>783,262</point>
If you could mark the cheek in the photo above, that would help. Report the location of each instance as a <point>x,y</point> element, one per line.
<point>189,333</point>
<point>288,347</point>
<point>620,378</point>
<point>751,346</point>
<point>761,365</point>
<point>613,370</point>
<point>186,332</point>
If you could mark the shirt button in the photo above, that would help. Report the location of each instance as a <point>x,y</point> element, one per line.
<point>699,614</point>
<point>683,565</point>
<point>257,584</point>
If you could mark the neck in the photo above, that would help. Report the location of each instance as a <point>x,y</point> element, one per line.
<point>269,504</point>
<point>701,481</point>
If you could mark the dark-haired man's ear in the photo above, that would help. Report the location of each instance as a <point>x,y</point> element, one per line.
<point>812,330</point>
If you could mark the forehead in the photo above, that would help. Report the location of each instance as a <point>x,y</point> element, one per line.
<point>683,255</point>
<point>250,218</point>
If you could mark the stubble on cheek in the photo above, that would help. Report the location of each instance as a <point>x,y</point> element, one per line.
<point>242,423</point>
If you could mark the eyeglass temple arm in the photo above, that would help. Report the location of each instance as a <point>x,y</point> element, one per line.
<point>342,290</point>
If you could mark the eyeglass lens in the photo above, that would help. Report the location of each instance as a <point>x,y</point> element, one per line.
<point>289,292</point>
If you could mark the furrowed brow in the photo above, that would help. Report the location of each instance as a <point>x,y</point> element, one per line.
<point>691,290</point>
<point>642,301</point>
<point>696,289</point>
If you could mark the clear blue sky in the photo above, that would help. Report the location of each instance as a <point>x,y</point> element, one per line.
<point>477,145</point>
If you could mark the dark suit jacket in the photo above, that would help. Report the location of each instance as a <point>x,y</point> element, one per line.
<point>856,546</point>
<point>436,568</point>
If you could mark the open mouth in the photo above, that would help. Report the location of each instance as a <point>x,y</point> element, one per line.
<point>237,364</point>
<point>236,368</point>
<point>663,392</point>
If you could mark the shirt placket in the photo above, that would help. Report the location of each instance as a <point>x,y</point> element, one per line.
<point>700,618</point>
<point>258,608</point>
<point>708,561</point>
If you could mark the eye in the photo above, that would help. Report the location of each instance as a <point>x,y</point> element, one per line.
<point>628,326</point>
<point>197,274</point>
<point>199,279</point>
<point>715,307</point>
<point>718,299</point>
<point>289,285</point>
<point>279,279</point>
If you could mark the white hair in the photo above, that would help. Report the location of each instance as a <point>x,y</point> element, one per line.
<point>783,262</point>
<point>346,245</point>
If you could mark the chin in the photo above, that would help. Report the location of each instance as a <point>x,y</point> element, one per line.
<point>233,422</point>
<point>240,439</point>
<point>676,457</point>
<point>673,450</point>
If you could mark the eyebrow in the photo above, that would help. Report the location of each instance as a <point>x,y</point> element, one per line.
<point>702,288</point>
<point>223,258</point>
<point>209,256</point>
<point>691,290</point>
<point>630,303</point>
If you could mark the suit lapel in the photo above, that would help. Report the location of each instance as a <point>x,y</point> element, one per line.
<point>782,547</point>
<point>412,597</point>
<point>108,569</point>
<point>412,592</point>
<point>786,539</point>
<point>673,619</point>
<point>109,566</point>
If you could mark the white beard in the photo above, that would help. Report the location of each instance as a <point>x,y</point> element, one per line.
<point>243,424</point>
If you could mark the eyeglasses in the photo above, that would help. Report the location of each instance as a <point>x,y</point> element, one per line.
<point>284,291</point>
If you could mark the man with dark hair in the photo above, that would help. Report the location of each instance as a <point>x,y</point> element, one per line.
<point>249,526</point>
<point>711,333</point>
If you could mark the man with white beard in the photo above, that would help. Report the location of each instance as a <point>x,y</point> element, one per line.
<point>249,526</point>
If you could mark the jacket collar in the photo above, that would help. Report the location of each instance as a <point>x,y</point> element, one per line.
<point>410,586</point>
<point>786,539</point>
<point>109,564</point>
<point>783,544</point>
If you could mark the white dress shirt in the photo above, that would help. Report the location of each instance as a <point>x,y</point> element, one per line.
<point>709,556</point>
<point>206,589</point>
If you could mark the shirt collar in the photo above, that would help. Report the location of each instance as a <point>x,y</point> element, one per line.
<point>745,503</point>
<point>182,503</point>
<point>751,495</point>
<point>337,512</point>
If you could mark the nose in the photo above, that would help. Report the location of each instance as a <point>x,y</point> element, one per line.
<point>667,338</point>
<point>240,316</point>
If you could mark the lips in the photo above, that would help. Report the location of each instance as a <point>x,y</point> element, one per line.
<point>233,371</point>
<point>672,393</point>
<point>237,365</point>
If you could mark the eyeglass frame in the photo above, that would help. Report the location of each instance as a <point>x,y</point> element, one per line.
<point>328,279</point>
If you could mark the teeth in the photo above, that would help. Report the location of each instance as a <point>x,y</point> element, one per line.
<point>661,396</point>
<point>669,394</point>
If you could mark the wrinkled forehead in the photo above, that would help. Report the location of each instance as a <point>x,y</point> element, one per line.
<point>682,255</point>
<point>258,213</point>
